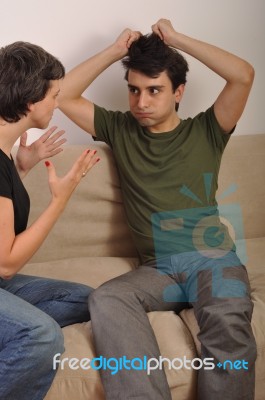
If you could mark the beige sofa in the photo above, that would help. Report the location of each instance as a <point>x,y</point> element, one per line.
<point>91,244</point>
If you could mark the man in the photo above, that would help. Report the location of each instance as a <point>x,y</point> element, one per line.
<point>167,166</point>
<point>32,309</point>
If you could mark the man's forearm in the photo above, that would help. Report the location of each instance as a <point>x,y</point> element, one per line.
<point>225,64</point>
<point>71,102</point>
<point>79,109</point>
<point>79,79</point>
<point>237,73</point>
<point>230,67</point>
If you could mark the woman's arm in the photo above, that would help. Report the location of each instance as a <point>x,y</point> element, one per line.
<point>15,251</point>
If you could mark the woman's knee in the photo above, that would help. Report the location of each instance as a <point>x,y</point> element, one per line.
<point>34,341</point>
<point>46,339</point>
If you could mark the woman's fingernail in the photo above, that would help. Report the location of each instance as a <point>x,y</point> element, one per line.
<point>47,163</point>
<point>88,151</point>
<point>98,159</point>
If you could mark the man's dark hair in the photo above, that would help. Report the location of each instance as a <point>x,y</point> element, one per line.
<point>25,74</point>
<point>151,56</point>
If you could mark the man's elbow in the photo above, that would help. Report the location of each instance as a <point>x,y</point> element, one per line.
<point>249,74</point>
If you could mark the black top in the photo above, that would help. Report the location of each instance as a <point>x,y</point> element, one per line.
<point>12,187</point>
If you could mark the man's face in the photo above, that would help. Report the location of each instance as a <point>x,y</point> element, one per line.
<point>41,112</point>
<point>152,101</point>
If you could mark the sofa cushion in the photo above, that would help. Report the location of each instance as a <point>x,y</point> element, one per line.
<point>174,341</point>
<point>92,271</point>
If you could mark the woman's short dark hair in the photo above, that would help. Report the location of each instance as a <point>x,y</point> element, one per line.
<point>25,74</point>
<point>151,56</point>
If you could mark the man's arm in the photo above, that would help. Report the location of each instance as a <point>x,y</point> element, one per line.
<point>239,74</point>
<point>71,102</point>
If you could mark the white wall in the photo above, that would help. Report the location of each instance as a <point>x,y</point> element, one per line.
<point>74,30</point>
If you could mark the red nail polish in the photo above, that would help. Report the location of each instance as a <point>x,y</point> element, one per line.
<point>47,163</point>
<point>88,151</point>
<point>98,159</point>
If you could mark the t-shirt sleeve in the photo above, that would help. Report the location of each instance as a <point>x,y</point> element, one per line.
<point>107,123</point>
<point>215,133</point>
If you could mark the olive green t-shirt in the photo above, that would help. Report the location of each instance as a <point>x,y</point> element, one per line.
<point>168,181</point>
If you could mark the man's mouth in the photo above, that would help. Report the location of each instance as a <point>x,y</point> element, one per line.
<point>143,115</point>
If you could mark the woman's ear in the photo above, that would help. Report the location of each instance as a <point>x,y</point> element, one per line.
<point>31,107</point>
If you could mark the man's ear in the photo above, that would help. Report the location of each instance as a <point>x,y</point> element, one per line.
<point>179,92</point>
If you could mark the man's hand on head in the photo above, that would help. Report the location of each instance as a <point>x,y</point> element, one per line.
<point>164,29</point>
<point>125,40</point>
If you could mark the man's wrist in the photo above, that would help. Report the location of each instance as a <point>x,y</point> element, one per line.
<point>116,52</point>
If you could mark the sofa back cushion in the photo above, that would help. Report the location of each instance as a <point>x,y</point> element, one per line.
<point>94,223</point>
<point>243,170</point>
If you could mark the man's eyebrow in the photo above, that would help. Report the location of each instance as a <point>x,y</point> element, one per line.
<point>148,87</point>
<point>156,87</point>
<point>132,86</point>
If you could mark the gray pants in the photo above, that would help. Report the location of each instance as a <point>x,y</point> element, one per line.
<point>216,288</point>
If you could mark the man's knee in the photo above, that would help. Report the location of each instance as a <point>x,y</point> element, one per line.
<point>110,295</point>
<point>229,326</point>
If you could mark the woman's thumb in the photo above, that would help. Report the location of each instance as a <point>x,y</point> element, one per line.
<point>23,139</point>
<point>50,168</point>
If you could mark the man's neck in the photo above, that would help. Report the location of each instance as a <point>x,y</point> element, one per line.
<point>165,127</point>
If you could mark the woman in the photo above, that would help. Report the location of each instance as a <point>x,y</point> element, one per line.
<point>32,309</point>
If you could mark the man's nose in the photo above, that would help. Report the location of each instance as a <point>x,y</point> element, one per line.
<point>143,100</point>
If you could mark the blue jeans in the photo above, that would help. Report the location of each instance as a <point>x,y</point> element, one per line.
<point>32,312</point>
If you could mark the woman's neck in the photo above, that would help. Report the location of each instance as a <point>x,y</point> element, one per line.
<point>10,133</point>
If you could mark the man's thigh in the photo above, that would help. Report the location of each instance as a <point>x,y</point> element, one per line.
<point>149,285</point>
